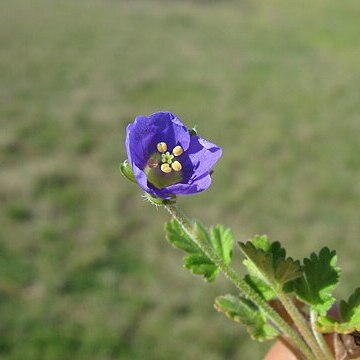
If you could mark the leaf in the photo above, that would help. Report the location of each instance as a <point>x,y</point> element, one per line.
<point>201,232</point>
<point>200,264</point>
<point>261,242</point>
<point>126,170</point>
<point>320,278</point>
<point>178,238</point>
<point>245,312</point>
<point>264,290</point>
<point>350,317</point>
<point>250,250</point>
<point>287,270</point>
<point>196,260</point>
<point>350,311</point>
<point>220,239</point>
<point>267,262</point>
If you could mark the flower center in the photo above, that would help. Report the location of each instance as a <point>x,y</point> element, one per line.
<point>163,169</point>
<point>167,158</point>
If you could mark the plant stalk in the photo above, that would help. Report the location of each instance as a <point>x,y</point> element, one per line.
<point>302,325</point>
<point>319,337</point>
<point>244,288</point>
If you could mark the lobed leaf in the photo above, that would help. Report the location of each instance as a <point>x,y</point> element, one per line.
<point>220,239</point>
<point>267,264</point>
<point>350,310</point>
<point>245,312</point>
<point>350,317</point>
<point>320,277</point>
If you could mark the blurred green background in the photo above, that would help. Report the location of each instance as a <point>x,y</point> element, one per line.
<point>85,271</point>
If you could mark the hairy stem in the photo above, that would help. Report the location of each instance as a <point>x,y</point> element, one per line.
<point>244,288</point>
<point>301,324</point>
<point>319,337</point>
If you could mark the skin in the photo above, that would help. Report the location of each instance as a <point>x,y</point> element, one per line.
<point>281,351</point>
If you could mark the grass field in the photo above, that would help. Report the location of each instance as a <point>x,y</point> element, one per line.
<point>85,271</point>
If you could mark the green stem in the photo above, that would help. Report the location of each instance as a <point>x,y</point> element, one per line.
<point>301,324</point>
<point>319,337</point>
<point>244,288</point>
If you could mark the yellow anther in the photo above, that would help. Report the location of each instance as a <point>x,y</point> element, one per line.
<point>162,147</point>
<point>165,168</point>
<point>178,150</point>
<point>176,166</point>
<point>152,163</point>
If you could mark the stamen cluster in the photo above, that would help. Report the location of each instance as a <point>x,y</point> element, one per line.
<point>167,158</point>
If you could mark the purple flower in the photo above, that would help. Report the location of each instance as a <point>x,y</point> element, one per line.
<point>166,159</point>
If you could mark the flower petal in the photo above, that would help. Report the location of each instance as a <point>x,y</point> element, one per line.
<point>144,134</point>
<point>200,184</point>
<point>201,157</point>
<point>141,178</point>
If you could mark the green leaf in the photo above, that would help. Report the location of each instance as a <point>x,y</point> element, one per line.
<point>250,250</point>
<point>200,264</point>
<point>245,312</point>
<point>350,317</point>
<point>220,239</point>
<point>255,279</point>
<point>320,277</point>
<point>350,311</point>
<point>287,270</point>
<point>126,170</point>
<point>201,232</point>
<point>178,238</point>
<point>268,263</point>
<point>261,242</point>
<point>197,261</point>
<point>264,290</point>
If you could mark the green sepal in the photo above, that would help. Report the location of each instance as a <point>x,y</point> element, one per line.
<point>193,131</point>
<point>268,262</point>
<point>126,170</point>
<point>244,311</point>
<point>320,277</point>
<point>349,314</point>
<point>220,239</point>
<point>159,201</point>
